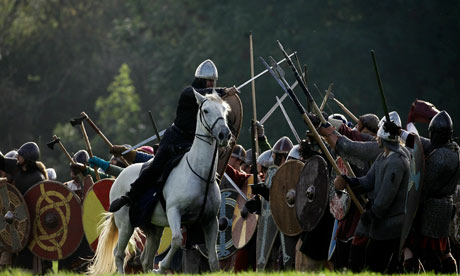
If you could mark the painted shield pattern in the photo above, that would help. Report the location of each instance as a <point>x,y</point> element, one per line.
<point>56,217</point>
<point>95,204</point>
<point>339,202</point>
<point>14,219</point>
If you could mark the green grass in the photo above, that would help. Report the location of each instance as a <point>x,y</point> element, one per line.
<point>16,272</point>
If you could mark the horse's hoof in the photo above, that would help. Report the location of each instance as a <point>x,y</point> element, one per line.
<point>157,271</point>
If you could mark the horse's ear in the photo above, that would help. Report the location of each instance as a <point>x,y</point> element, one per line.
<point>199,98</point>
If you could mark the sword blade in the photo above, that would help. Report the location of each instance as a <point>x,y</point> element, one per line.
<point>296,135</point>
<point>261,73</point>
<point>275,106</point>
<point>236,187</point>
<point>144,142</point>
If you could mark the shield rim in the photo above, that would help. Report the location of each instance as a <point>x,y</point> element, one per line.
<point>28,217</point>
<point>81,211</point>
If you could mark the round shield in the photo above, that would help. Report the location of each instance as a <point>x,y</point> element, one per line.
<point>244,223</point>
<point>87,184</point>
<point>14,219</point>
<point>312,192</point>
<point>55,213</point>
<point>339,202</point>
<point>224,245</point>
<point>95,204</point>
<point>414,190</point>
<point>234,121</point>
<point>283,197</point>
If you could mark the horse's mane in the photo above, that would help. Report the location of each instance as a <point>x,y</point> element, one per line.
<point>216,98</point>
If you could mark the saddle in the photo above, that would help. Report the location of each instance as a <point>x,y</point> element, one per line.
<point>141,210</point>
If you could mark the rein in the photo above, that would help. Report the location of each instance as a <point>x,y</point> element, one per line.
<point>201,137</point>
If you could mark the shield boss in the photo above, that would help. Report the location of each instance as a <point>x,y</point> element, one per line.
<point>312,192</point>
<point>283,197</point>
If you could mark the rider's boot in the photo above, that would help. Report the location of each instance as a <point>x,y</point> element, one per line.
<point>119,202</point>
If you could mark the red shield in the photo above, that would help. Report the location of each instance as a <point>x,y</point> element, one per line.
<point>95,204</point>
<point>243,228</point>
<point>55,213</point>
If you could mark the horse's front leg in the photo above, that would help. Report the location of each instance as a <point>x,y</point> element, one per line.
<point>174,220</point>
<point>210,236</point>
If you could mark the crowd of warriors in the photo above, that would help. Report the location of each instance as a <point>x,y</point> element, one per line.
<point>379,152</point>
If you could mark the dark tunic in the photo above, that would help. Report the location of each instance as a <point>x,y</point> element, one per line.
<point>177,140</point>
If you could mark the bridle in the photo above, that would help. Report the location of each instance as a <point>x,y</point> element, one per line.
<point>203,137</point>
<point>208,128</point>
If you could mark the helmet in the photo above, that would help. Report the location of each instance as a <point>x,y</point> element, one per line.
<point>294,153</point>
<point>440,128</point>
<point>81,156</point>
<point>239,152</point>
<point>381,133</point>
<point>394,117</point>
<point>337,120</point>
<point>283,145</point>
<point>370,121</point>
<point>146,149</point>
<point>30,151</point>
<point>51,174</point>
<point>207,70</point>
<point>12,154</point>
<point>265,159</point>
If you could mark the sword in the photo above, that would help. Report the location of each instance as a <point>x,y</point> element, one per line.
<point>238,88</point>
<point>261,73</point>
<point>235,186</point>
<point>379,81</point>
<point>288,120</point>
<point>144,142</point>
<point>275,106</point>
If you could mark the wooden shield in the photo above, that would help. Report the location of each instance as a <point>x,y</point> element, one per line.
<point>95,204</point>
<point>339,202</point>
<point>312,192</point>
<point>243,228</point>
<point>14,219</point>
<point>414,189</point>
<point>224,245</point>
<point>87,184</point>
<point>266,227</point>
<point>56,217</point>
<point>283,197</point>
<point>234,121</point>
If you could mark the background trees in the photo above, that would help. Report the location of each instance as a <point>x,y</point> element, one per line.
<point>57,58</point>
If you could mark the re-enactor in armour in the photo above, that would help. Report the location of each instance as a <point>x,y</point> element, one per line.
<point>178,137</point>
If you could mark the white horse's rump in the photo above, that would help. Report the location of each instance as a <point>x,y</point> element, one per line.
<point>184,193</point>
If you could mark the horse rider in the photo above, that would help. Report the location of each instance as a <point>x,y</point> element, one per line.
<point>179,137</point>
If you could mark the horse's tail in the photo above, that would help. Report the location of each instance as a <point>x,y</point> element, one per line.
<point>103,261</point>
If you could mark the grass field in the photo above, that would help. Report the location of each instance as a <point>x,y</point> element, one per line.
<point>292,273</point>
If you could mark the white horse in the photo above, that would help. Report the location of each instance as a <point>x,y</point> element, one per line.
<point>184,193</point>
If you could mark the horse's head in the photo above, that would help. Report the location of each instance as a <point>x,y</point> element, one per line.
<point>212,117</point>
